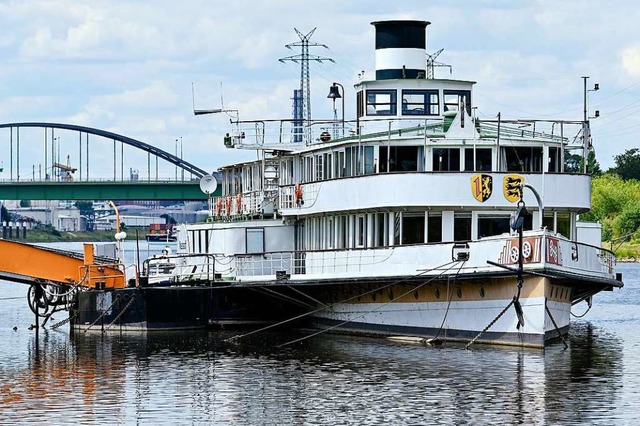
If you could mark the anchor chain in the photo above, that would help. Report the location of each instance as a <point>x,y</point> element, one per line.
<point>516,222</point>
<point>104,312</point>
<point>121,312</point>
<point>506,308</point>
<point>64,321</point>
<point>566,345</point>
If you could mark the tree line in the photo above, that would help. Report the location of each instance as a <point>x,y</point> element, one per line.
<point>615,197</point>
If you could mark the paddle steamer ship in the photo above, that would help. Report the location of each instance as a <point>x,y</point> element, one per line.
<point>406,220</point>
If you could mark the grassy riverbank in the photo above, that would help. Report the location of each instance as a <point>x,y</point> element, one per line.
<point>626,252</point>
<point>50,235</point>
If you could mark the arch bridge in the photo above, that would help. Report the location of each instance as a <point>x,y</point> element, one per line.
<point>55,178</point>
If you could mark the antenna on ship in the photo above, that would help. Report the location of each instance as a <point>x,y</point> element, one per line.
<point>305,89</point>
<point>432,63</point>
<point>210,111</point>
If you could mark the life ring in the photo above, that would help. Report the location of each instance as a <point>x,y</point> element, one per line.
<point>219,206</point>
<point>298,193</point>
<point>228,206</point>
<point>239,203</point>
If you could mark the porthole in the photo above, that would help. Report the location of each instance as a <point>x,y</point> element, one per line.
<point>459,292</point>
<point>482,292</point>
<point>437,293</point>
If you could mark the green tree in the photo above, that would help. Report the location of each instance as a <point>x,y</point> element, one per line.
<point>87,210</point>
<point>593,167</point>
<point>85,207</point>
<point>628,222</point>
<point>628,164</point>
<point>25,203</point>
<point>5,216</point>
<point>613,204</point>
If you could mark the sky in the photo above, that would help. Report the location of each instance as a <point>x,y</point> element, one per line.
<point>131,67</point>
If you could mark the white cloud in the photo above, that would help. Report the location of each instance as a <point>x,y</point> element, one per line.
<point>128,65</point>
<point>631,60</point>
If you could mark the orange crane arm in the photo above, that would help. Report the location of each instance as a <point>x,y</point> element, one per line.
<point>27,264</point>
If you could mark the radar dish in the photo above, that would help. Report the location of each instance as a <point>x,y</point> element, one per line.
<point>208,184</point>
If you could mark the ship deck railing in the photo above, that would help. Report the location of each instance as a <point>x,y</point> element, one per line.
<point>294,134</point>
<point>179,268</point>
<point>549,251</point>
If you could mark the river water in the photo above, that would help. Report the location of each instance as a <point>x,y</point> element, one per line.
<point>198,378</point>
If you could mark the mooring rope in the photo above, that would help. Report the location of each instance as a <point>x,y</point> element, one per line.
<point>283,296</point>
<point>446,313</point>
<point>240,336</point>
<point>324,330</point>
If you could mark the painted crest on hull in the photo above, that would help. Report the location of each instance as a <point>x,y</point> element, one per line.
<point>481,187</point>
<point>511,187</point>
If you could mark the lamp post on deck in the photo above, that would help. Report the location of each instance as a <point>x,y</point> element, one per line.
<point>586,129</point>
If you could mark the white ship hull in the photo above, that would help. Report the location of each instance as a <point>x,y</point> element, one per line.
<point>464,311</point>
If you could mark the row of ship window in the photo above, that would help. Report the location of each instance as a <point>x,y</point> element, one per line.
<point>392,229</point>
<point>414,102</point>
<point>365,160</point>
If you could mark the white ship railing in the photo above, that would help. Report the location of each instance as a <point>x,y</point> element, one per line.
<point>179,268</point>
<point>545,251</point>
<point>258,133</point>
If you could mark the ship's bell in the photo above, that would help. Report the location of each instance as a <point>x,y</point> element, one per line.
<point>334,93</point>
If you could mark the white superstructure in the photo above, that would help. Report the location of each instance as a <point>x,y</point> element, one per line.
<point>398,222</point>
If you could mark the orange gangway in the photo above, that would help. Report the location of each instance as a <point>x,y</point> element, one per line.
<point>25,263</point>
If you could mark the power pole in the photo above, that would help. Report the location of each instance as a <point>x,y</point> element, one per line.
<point>304,58</point>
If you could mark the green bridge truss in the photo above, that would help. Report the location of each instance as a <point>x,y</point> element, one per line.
<point>129,190</point>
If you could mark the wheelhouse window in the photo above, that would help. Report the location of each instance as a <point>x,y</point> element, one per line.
<point>446,159</point>
<point>381,102</point>
<point>413,228</point>
<point>454,98</point>
<point>462,226</point>
<point>559,222</point>
<point>489,225</point>
<point>482,162</point>
<point>554,159</point>
<point>382,230</point>
<point>255,240</point>
<point>399,158</point>
<point>522,159</point>
<point>361,230</point>
<point>434,227</point>
<point>420,102</point>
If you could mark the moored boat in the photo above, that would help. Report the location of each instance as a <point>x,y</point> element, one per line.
<point>161,233</point>
<point>416,218</point>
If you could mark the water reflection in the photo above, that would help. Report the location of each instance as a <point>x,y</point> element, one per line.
<point>334,379</point>
<point>199,378</point>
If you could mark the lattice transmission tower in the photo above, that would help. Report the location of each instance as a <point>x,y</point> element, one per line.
<point>304,58</point>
